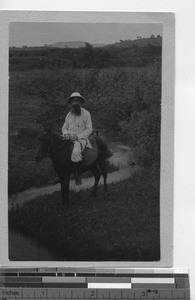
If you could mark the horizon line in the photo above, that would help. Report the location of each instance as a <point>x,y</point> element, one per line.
<point>69,41</point>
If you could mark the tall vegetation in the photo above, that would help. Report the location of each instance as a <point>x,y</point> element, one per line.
<point>122,87</point>
<point>121,99</point>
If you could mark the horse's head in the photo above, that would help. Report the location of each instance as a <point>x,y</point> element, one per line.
<point>44,145</point>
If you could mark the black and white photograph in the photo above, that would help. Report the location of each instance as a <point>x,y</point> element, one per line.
<point>84,143</point>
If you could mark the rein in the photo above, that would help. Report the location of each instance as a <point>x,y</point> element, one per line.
<point>56,144</point>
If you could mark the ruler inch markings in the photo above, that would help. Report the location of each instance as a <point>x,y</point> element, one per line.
<point>152,286</point>
<point>72,283</point>
<point>182,283</point>
<point>181,293</point>
<point>11,293</point>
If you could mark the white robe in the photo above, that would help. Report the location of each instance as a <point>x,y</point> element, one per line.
<point>81,126</point>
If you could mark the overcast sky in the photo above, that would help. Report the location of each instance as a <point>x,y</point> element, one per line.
<point>39,34</point>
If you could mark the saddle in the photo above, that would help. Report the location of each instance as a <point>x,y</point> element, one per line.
<point>90,155</point>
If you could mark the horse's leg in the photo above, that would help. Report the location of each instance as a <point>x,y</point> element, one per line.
<point>97,174</point>
<point>102,164</point>
<point>64,181</point>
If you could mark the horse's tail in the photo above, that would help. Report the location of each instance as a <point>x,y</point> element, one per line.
<point>103,148</point>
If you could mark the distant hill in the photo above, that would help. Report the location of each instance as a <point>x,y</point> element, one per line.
<point>140,42</point>
<point>73,44</point>
<point>75,55</point>
<point>99,45</point>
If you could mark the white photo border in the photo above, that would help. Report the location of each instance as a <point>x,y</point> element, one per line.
<point>167,125</point>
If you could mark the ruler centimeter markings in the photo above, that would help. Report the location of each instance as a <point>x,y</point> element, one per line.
<point>86,283</point>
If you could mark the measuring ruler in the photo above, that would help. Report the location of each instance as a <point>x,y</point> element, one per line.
<point>88,283</point>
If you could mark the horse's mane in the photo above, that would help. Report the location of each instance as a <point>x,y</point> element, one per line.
<point>59,146</point>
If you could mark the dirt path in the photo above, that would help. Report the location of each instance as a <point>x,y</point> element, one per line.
<point>22,247</point>
<point>121,156</point>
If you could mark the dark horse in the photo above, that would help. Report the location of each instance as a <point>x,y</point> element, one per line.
<point>59,150</point>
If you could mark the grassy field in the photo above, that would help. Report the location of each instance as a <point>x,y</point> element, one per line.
<point>123,226</point>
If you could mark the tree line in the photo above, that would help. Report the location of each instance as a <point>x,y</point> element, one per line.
<point>83,58</point>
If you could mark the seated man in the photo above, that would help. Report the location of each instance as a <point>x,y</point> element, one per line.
<point>77,127</point>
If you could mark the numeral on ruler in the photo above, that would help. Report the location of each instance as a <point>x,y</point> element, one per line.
<point>36,284</point>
